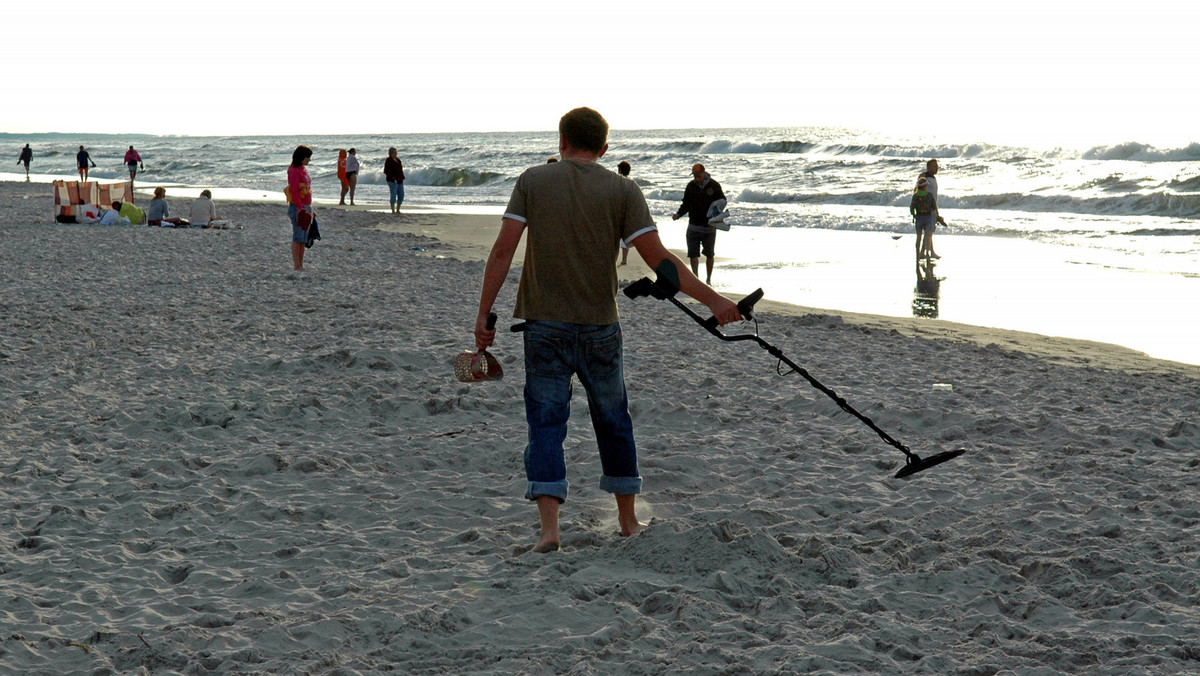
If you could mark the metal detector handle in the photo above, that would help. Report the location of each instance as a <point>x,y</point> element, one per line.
<point>491,325</point>
<point>745,307</point>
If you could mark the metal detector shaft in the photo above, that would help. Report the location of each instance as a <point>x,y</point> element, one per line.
<point>667,285</point>
<point>711,326</point>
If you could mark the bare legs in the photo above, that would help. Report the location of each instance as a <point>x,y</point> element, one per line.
<point>297,256</point>
<point>708,268</point>
<point>548,539</point>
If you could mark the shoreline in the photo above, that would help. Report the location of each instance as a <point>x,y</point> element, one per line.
<point>472,235</point>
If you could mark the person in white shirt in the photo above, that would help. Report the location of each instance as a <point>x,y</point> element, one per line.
<point>352,172</point>
<point>203,211</point>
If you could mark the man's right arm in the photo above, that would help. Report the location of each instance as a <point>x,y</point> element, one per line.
<point>651,249</point>
<point>498,264</point>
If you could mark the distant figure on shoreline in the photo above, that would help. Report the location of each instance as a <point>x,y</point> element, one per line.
<point>202,212</point>
<point>551,160</point>
<point>393,173</point>
<point>300,202</point>
<point>341,173</point>
<point>26,157</point>
<point>159,212</point>
<point>83,159</point>
<point>700,193</point>
<point>132,160</point>
<point>930,174</point>
<point>352,172</point>
<point>923,208</point>
<point>623,168</point>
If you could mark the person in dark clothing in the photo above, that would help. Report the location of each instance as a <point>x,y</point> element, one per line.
<point>393,173</point>
<point>700,193</point>
<point>26,157</point>
<point>83,159</point>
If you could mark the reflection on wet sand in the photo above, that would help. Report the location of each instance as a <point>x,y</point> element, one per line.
<point>927,291</point>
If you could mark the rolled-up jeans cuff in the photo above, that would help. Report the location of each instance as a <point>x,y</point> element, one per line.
<point>554,489</point>
<point>621,485</point>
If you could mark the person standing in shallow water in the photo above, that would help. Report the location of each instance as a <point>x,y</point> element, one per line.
<point>623,168</point>
<point>83,159</point>
<point>577,212</point>
<point>352,172</point>
<point>930,176</point>
<point>300,196</point>
<point>26,157</point>
<point>699,195</point>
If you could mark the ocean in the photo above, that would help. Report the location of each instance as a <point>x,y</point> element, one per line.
<point>1099,243</point>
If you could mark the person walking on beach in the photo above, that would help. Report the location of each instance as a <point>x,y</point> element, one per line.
<point>26,157</point>
<point>700,193</point>
<point>351,174</point>
<point>341,174</point>
<point>923,208</point>
<point>300,198</point>
<point>576,212</point>
<point>930,175</point>
<point>83,159</point>
<point>623,168</point>
<point>393,173</point>
<point>132,160</point>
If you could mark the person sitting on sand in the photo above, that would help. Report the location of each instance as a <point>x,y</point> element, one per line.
<point>131,211</point>
<point>158,212</point>
<point>112,216</point>
<point>202,212</point>
<point>576,211</point>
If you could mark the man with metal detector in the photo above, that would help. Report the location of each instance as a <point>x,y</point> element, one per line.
<point>577,212</point>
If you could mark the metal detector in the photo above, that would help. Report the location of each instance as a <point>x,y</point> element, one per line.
<point>667,285</point>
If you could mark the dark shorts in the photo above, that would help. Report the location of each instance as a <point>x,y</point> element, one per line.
<point>698,242</point>
<point>925,222</point>
<point>351,174</point>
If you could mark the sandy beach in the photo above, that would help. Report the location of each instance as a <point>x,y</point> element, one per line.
<point>212,464</point>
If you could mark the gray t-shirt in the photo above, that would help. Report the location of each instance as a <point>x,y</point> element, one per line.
<point>576,214</point>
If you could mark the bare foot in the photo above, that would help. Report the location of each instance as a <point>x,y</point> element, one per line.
<point>547,546</point>
<point>633,529</point>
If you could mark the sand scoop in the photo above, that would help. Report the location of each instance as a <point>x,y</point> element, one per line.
<point>667,285</point>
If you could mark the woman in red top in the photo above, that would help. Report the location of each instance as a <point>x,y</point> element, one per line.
<point>300,196</point>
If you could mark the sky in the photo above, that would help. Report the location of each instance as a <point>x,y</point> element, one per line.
<point>1044,73</point>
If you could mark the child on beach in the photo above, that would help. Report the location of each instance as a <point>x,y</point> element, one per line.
<point>923,208</point>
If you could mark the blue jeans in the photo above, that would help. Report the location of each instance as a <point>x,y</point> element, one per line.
<point>397,193</point>
<point>554,351</point>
